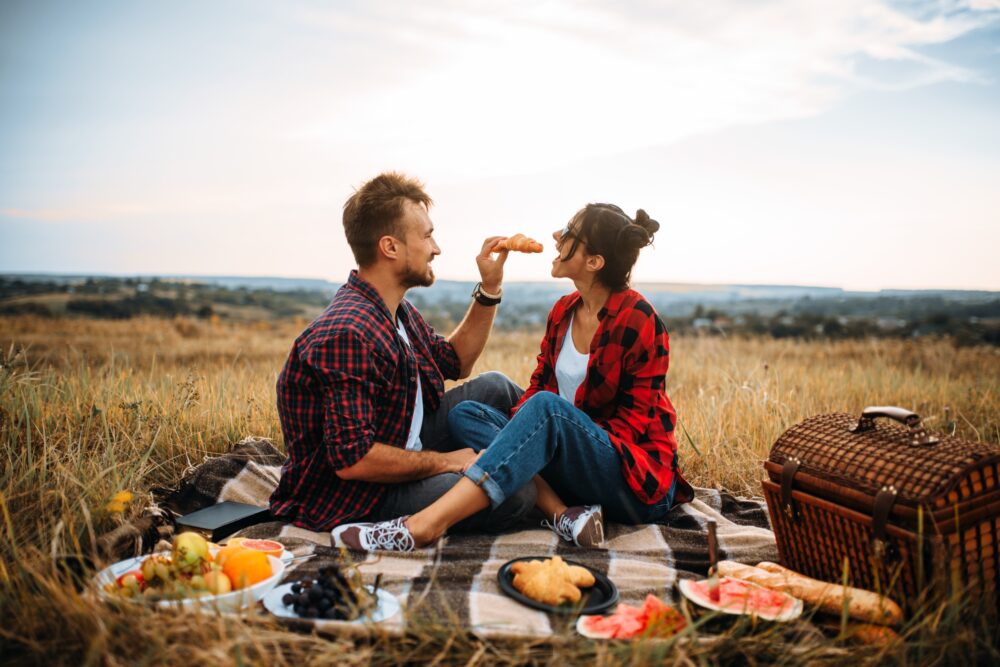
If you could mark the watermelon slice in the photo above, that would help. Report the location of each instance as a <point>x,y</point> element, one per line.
<point>743,598</point>
<point>654,618</point>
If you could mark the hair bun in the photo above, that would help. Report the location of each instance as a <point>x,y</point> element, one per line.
<point>643,220</point>
<point>634,236</point>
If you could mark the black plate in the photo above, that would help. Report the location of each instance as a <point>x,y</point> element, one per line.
<point>595,600</point>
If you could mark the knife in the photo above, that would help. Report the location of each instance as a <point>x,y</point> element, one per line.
<point>713,563</point>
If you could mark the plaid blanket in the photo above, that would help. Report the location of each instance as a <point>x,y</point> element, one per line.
<point>457,578</point>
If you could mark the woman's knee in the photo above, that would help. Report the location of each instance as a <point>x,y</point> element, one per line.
<point>544,403</point>
<point>459,415</point>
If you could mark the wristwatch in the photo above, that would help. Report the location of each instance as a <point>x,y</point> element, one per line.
<point>485,298</point>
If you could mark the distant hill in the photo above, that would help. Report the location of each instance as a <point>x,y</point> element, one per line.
<point>778,310</point>
<point>678,292</point>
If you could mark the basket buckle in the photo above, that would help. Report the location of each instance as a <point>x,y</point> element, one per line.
<point>788,471</point>
<point>884,501</point>
<point>884,551</point>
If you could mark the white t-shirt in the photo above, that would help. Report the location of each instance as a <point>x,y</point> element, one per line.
<point>571,366</point>
<point>413,439</point>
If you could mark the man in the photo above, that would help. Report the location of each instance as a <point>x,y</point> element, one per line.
<point>361,397</point>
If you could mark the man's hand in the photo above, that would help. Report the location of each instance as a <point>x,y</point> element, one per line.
<point>460,459</point>
<point>478,456</point>
<point>490,267</point>
<point>391,465</point>
<point>469,338</point>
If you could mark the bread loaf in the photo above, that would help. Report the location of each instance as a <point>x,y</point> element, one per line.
<point>875,635</point>
<point>861,604</point>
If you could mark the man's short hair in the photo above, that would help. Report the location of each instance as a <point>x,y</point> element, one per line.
<point>375,210</point>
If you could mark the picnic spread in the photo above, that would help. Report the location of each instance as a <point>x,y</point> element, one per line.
<point>457,579</point>
<point>528,583</point>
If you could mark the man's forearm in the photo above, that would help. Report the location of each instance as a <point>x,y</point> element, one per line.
<point>469,338</point>
<point>391,465</point>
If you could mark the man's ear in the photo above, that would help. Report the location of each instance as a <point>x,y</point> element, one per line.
<point>388,246</point>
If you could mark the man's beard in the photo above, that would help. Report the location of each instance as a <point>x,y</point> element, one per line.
<point>416,279</point>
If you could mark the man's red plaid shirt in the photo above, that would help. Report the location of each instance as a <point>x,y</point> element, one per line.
<point>349,382</point>
<point>623,391</point>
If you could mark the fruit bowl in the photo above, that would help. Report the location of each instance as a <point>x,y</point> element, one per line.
<point>232,601</point>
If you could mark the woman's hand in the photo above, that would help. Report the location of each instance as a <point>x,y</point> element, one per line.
<point>490,267</point>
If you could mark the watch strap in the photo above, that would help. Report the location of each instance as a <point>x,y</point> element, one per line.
<point>484,298</point>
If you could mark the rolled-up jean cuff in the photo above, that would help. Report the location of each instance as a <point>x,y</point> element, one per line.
<point>481,478</point>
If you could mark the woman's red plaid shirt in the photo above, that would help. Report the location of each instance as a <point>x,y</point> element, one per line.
<point>623,391</point>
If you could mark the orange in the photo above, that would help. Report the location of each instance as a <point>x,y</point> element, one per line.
<point>270,547</point>
<point>225,552</point>
<point>247,567</point>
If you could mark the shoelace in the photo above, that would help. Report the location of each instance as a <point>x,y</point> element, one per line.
<point>561,525</point>
<point>391,536</point>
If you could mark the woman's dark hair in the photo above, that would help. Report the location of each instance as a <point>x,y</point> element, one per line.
<point>605,230</point>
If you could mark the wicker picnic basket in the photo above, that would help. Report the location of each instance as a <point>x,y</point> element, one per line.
<point>906,511</point>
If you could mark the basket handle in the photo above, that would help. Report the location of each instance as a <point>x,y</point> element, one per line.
<point>919,436</point>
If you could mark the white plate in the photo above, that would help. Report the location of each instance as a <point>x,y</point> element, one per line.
<point>386,607</point>
<point>233,601</point>
<point>789,612</point>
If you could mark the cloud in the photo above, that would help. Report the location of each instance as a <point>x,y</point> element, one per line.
<point>529,85</point>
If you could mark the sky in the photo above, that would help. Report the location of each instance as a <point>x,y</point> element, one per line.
<point>847,143</point>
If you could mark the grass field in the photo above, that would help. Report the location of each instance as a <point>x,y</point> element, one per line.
<point>88,408</point>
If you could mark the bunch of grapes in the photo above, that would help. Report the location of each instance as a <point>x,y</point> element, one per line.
<point>330,596</point>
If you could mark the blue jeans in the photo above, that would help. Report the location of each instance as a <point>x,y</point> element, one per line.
<point>549,436</point>
<point>487,389</point>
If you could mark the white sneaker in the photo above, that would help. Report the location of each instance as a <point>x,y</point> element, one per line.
<point>381,536</point>
<point>583,526</point>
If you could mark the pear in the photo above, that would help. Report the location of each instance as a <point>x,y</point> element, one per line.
<point>189,552</point>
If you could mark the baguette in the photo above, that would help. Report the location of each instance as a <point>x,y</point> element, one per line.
<point>861,604</point>
<point>755,575</point>
<point>874,635</point>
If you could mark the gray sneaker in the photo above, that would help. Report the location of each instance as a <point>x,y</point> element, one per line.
<point>382,536</point>
<point>583,526</point>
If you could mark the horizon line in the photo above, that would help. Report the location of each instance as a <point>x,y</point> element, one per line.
<point>78,274</point>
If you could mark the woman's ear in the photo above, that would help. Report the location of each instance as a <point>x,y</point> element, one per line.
<point>595,263</point>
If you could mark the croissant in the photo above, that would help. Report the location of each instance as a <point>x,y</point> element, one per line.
<point>551,581</point>
<point>521,243</point>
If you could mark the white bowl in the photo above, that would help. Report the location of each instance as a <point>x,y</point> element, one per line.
<point>233,601</point>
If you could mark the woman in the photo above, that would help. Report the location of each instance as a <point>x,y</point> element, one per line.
<point>594,430</point>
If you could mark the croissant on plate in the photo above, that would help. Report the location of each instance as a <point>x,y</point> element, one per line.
<point>552,581</point>
<point>521,243</point>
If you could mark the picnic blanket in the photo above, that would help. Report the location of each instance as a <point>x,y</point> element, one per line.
<point>457,578</point>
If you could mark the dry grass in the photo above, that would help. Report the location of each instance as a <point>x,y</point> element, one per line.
<point>91,407</point>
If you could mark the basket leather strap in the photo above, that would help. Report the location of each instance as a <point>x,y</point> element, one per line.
<point>788,470</point>
<point>884,501</point>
